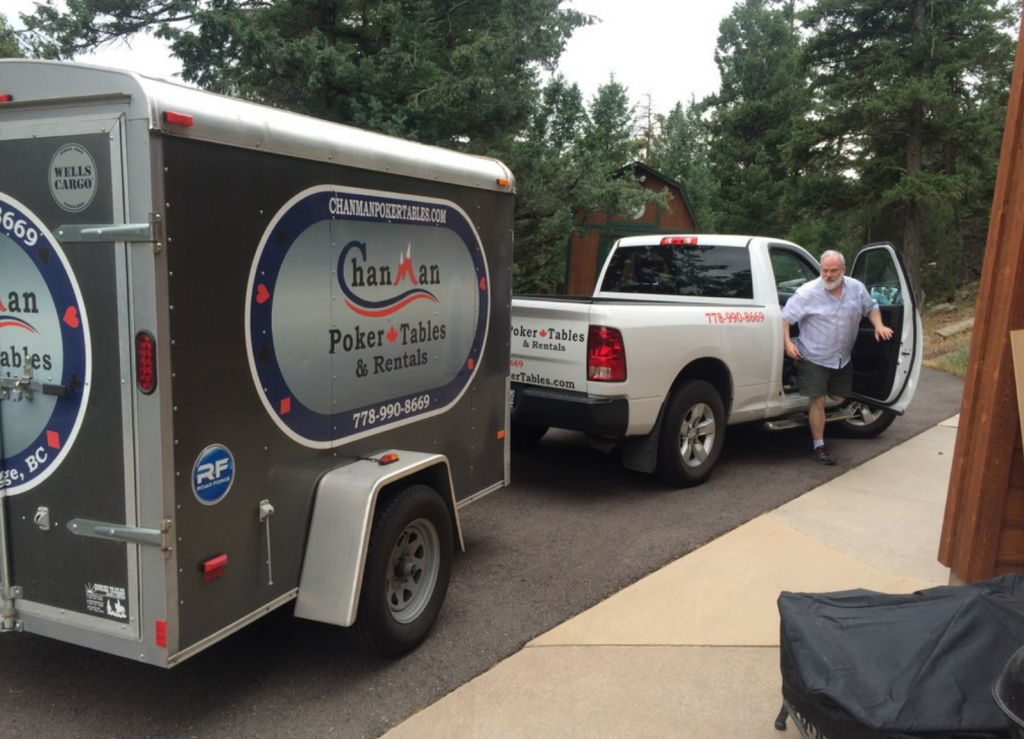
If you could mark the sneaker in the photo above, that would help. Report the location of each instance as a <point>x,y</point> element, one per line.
<point>823,456</point>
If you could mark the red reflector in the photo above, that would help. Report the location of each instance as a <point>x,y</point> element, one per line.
<point>606,356</point>
<point>679,241</point>
<point>145,361</point>
<point>180,119</point>
<point>213,567</point>
<point>6,98</point>
<point>389,458</point>
<point>161,633</point>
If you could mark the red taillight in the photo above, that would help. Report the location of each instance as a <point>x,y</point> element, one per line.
<point>679,241</point>
<point>179,119</point>
<point>145,361</point>
<point>6,97</point>
<point>606,356</point>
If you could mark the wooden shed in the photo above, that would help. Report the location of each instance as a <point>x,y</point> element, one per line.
<point>983,530</point>
<point>590,245</point>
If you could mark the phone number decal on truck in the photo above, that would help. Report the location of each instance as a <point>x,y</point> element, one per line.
<point>45,354</point>
<point>397,330</point>
<point>747,316</point>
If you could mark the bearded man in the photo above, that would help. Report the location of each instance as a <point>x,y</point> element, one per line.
<point>828,311</point>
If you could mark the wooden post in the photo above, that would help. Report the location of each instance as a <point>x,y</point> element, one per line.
<point>988,435</point>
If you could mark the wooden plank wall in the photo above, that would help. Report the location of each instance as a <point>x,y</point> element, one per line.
<point>983,529</point>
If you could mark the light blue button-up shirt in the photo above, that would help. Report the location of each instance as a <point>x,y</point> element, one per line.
<point>828,325</point>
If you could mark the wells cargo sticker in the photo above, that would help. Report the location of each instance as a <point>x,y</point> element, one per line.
<point>45,360</point>
<point>365,310</point>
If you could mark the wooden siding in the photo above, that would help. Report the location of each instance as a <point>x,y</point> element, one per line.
<point>981,535</point>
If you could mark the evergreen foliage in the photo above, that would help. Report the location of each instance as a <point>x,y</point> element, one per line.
<point>753,115</point>
<point>837,122</point>
<point>904,137</point>
<point>8,41</point>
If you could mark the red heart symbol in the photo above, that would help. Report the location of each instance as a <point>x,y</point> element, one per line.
<point>71,316</point>
<point>262,294</point>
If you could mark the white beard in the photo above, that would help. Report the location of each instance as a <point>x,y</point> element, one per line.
<point>830,286</point>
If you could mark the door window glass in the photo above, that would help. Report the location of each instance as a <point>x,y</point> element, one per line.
<point>791,271</point>
<point>877,271</point>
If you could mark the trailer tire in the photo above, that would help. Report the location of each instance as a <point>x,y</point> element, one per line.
<point>692,434</point>
<point>525,435</point>
<point>408,566</point>
<point>867,422</point>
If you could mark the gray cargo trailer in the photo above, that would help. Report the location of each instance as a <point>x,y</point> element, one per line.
<point>247,358</point>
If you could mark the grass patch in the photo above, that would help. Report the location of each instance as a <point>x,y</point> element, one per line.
<point>949,354</point>
<point>954,362</point>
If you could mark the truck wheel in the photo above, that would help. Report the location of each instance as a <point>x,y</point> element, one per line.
<point>692,434</point>
<point>867,422</point>
<point>408,566</point>
<point>525,435</point>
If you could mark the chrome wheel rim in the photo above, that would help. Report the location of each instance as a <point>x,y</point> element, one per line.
<point>697,435</point>
<point>863,415</point>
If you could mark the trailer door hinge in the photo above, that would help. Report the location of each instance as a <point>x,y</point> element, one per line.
<point>132,233</point>
<point>98,530</point>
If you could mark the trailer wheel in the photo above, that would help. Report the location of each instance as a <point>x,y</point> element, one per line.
<point>525,435</point>
<point>692,434</point>
<point>867,422</point>
<point>408,566</point>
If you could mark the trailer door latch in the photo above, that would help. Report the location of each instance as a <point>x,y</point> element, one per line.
<point>98,530</point>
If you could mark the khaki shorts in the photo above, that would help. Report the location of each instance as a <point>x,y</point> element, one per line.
<point>813,380</point>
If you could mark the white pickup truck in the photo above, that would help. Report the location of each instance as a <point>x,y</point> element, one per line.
<point>683,336</point>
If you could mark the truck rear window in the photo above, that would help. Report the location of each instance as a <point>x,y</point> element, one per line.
<point>706,271</point>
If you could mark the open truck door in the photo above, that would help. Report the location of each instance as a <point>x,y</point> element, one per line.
<point>885,373</point>
<point>66,457</point>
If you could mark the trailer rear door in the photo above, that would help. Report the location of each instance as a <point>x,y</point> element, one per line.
<point>66,450</point>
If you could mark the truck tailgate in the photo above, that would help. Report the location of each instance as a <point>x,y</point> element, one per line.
<point>549,342</point>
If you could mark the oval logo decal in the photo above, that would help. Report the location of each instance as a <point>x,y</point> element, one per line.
<point>212,474</point>
<point>45,359</point>
<point>365,310</point>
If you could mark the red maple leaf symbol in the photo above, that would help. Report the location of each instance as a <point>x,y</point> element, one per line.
<point>543,333</point>
<point>392,334</point>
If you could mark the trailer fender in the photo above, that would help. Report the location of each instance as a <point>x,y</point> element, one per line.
<point>343,514</point>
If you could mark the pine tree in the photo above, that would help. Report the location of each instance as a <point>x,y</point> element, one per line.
<point>753,115</point>
<point>905,101</point>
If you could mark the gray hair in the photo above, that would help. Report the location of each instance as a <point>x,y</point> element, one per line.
<point>832,253</point>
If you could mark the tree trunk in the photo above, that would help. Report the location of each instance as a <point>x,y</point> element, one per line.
<point>915,113</point>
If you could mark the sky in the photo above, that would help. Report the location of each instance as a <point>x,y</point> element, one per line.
<point>658,48</point>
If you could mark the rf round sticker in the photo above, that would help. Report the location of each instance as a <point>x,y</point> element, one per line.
<point>366,310</point>
<point>212,474</point>
<point>45,356</point>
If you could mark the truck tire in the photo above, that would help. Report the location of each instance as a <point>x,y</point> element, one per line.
<point>525,435</point>
<point>408,566</point>
<point>867,422</point>
<point>692,434</point>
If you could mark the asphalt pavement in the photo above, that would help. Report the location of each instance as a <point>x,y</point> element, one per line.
<point>572,530</point>
<point>693,649</point>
